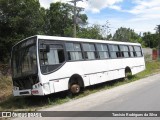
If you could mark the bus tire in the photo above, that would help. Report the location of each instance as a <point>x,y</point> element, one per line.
<point>127,73</point>
<point>76,84</point>
<point>75,88</point>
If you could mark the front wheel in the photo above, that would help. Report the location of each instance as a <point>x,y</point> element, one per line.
<point>75,88</point>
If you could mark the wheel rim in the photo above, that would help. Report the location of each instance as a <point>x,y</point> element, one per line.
<point>75,88</point>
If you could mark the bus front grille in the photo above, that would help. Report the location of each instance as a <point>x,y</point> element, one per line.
<point>25,82</point>
<point>23,93</point>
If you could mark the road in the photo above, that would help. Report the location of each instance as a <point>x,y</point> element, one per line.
<point>141,95</point>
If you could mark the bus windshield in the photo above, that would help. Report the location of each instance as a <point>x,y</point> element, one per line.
<point>24,60</point>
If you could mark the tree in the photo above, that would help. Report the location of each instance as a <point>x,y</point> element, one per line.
<point>158,34</point>
<point>18,19</point>
<point>125,34</point>
<point>109,37</point>
<point>93,32</point>
<point>150,40</point>
<point>158,29</point>
<point>60,19</point>
<point>83,18</point>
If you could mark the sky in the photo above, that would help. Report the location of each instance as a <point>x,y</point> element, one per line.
<point>140,15</point>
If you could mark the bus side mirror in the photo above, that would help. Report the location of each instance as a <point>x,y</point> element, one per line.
<point>47,48</point>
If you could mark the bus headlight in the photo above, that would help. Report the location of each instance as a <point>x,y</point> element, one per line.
<point>46,87</point>
<point>34,86</point>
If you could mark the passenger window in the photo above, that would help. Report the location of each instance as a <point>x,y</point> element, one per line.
<point>138,51</point>
<point>74,51</point>
<point>114,51</point>
<point>52,58</point>
<point>102,51</point>
<point>132,52</point>
<point>124,51</point>
<point>89,51</point>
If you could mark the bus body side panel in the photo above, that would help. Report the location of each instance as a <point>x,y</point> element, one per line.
<point>96,71</point>
<point>60,85</point>
<point>86,80</point>
<point>59,79</point>
<point>92,72</point>
<point>103,70</point>
<point>138,65</point>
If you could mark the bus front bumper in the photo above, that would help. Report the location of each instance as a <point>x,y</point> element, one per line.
<point>28,92</point>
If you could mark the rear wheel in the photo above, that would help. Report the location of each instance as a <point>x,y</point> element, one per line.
<point>127,73</point>
<point>126,76</point>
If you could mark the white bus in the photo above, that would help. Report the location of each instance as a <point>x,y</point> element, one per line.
<point>43,65</point>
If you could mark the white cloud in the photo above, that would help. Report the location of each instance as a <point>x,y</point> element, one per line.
<point>146,15</point>
<point>146,10</point>
<point>95,6</point>
<point>144,6</point>
<point>115,7</point>
<point>137,26</point>
<point>45,3</point>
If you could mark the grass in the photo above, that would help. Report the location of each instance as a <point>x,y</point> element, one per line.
<point>33,103</point>
<point>5,87</point>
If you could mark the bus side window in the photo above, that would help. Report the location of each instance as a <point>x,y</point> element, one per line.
<point>43,55</point>
<point>138,51</point>
<point>124,51</point>
<point>55,55</point>
<point>102,51</point>
<point>51,59</point>
<point>114,51</point>
<point>89,51</point>
<point>132,53</point>
<point>74,51</point>
<point>61,56</point>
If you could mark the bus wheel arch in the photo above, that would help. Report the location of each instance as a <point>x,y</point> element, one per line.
<point>75,84</point>
<point>128,72</point>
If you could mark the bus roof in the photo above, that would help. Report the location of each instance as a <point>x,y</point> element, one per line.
<point>83,40</point>
<point>45,37</point>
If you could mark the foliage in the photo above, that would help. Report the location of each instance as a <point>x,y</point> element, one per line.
<point>151,40</point>
<point>23,18</point>
<point>158,29</point>
<point>125,34</point>
<point>109,37</point>
<point>59,19</point>
<point>19,19</point>
<point>83,17</point>
<point>92,32</point>
<point>5,87</point>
